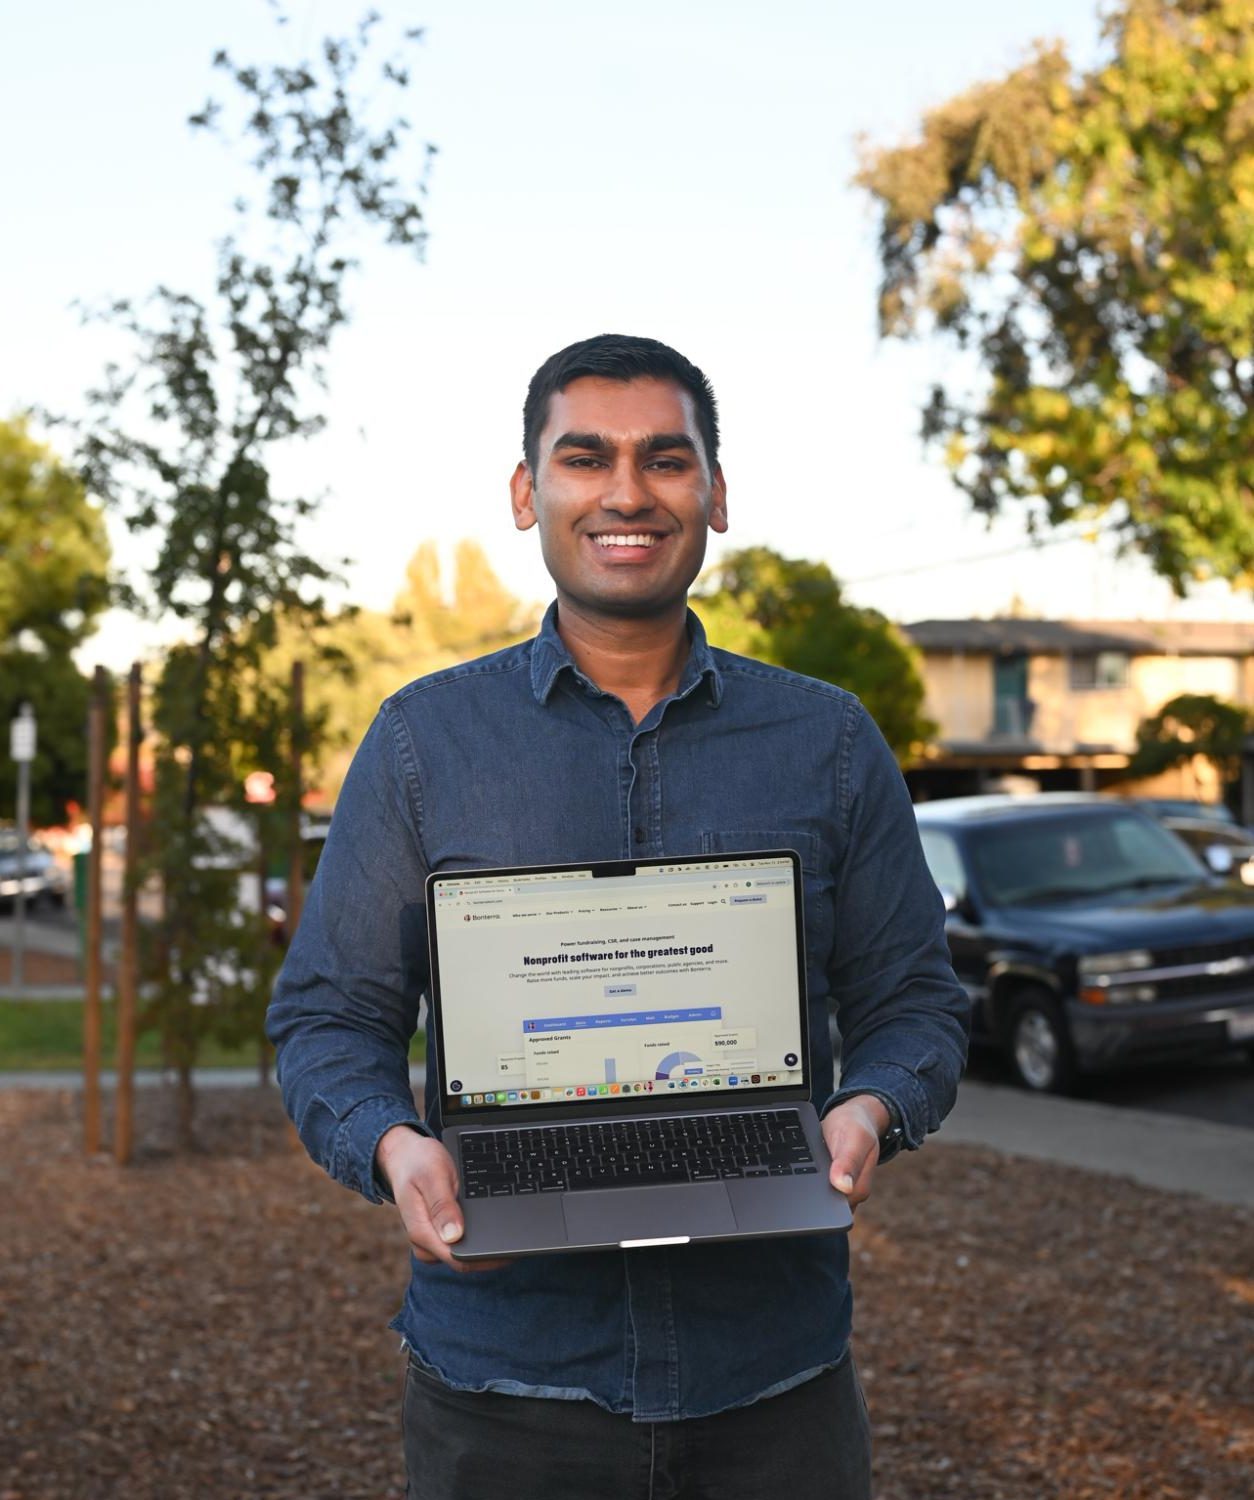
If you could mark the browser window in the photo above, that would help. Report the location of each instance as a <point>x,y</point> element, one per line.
<point>574,987</point>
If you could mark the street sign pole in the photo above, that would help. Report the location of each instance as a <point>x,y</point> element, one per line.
<point>22,734</point>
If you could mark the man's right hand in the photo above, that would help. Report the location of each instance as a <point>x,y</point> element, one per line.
<point>423,1180</point>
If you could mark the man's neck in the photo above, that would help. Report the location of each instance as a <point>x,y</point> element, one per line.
<point>639,661</point>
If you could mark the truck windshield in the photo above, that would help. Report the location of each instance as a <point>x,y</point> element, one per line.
<point>1067,857</point>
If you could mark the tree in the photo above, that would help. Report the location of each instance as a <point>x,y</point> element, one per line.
<point>1087,239</point>
<point>429,627</point>
<point>792,613</point>
<point>54,582</point>
<point>1190,725</point>
<point>180,443</point>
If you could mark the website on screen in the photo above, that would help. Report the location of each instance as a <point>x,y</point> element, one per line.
<point>569,987</point>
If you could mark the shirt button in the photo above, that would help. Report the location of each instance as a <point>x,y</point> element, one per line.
<point>639,835</point>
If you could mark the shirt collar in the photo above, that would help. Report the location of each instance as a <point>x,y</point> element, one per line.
<point>549,658</point>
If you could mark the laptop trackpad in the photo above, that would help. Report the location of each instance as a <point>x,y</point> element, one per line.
<point>648,1213</point>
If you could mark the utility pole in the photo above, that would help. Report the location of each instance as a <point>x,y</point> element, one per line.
<point>22,739</point>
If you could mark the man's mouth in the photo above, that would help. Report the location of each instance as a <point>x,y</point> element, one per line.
<point>625,539</point>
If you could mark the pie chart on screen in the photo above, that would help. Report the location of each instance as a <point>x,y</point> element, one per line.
<point>674,1060</point>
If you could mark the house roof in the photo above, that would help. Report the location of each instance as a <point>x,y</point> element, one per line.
<point>1010,637</point>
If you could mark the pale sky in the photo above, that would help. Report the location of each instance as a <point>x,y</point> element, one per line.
<point>675,169</point>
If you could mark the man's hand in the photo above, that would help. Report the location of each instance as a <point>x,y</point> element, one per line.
<point>852,1131</point>
<point>423,1180</point>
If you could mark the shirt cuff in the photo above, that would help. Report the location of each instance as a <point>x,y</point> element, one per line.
<point>357,1138</point>
<point>899,1090</point>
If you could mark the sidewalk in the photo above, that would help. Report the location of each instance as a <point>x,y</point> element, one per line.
<point>1169,1152</point>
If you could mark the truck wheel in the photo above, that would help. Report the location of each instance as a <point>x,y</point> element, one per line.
<point>1038,1044</point>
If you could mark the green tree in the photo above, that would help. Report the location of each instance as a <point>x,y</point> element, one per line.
<point>181,443</point>
<point>430,626</point>
<point>792,613</point>
<point>54,583</point>
<point>1088,240</point>
<point>1192,724</point>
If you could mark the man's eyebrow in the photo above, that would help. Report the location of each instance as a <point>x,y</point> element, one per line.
<point>661,442</point>
<point>599,442</point>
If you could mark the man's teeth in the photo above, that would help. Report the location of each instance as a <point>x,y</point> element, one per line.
<point>641,539</point>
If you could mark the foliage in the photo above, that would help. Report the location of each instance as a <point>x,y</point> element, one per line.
<point>1088,240</point>
<point>59,693</point>
<point>792,613</point>
<point>180,443</point>
<point>54,565</point>
<point>1189,725</point>
<point>54,554</point>
<point>429,627</point>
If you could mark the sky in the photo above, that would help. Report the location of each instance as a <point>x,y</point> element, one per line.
<point>681,170</point>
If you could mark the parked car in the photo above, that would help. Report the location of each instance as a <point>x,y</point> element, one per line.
<point>1185,807</point>
<point>1087,934</point>
<point>1227,848</point>
<point>41,877</point>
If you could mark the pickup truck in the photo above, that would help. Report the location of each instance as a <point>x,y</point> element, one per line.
<point>1087,934</point>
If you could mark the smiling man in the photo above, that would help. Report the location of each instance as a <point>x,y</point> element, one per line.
<point>721,1370</point>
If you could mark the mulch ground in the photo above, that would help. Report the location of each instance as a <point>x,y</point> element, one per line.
<point>213,1325</point>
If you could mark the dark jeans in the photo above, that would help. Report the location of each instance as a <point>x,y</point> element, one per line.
<point>810,1443</point>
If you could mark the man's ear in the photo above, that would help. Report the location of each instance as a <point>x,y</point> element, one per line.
<point>718,500</point>
<point>522,498</point>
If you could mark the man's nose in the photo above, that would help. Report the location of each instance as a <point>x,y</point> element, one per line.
<point>627,492</point>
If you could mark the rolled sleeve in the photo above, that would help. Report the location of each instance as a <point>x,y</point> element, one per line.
<point>904,1019</point>
<point>346,1003</point>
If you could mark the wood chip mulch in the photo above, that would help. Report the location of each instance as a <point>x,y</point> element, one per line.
<point>214,1325</point>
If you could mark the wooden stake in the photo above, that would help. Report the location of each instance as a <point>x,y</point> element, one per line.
<point>128,962</point>
<point>296,860</point>
<point>96,737</point>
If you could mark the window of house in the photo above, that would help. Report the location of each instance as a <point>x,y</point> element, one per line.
<point>1104,669</point>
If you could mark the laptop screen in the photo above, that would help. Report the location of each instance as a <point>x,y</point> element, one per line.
<point>577,985</point>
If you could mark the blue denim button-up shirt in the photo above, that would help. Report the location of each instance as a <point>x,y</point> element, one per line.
<point>519,759</point>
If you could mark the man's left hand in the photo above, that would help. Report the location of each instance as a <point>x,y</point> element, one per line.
<point>852,1131</point>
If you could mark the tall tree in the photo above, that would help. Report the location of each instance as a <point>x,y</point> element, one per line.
<point>434,622</point>
<point>1088,238</point>
<point>181,443</point>
<point>791,612</point>
<point>54,582</point>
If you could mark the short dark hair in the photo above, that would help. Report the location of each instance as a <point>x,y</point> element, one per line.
<point>617,356</point>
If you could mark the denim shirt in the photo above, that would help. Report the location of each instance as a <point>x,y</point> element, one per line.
<point>518,758</point>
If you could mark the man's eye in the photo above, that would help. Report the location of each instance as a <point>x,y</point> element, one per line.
<point>583,461</point>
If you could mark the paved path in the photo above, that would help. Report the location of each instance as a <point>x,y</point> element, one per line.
<point>1163,1151</point>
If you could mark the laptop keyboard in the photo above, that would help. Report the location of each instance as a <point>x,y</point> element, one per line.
<point>633,1153</point>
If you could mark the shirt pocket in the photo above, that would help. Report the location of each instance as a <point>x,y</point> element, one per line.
<point>808,848</point>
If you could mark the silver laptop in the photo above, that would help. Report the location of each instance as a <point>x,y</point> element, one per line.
<point>623,1054</point>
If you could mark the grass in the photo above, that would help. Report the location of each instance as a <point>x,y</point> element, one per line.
<point>37,1035</point>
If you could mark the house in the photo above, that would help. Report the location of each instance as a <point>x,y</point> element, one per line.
<point>1058,701</point>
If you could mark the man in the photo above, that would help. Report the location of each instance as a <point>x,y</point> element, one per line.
<point>716,1370</point>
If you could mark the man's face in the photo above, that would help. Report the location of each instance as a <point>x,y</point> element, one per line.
<point>623,496</point>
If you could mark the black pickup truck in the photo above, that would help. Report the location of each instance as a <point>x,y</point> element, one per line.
<point>1087,934</point>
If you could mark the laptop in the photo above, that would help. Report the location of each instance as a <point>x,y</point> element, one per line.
<point>623,1054</point>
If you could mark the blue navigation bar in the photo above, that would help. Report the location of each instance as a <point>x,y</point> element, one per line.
<point>624,1018</point>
